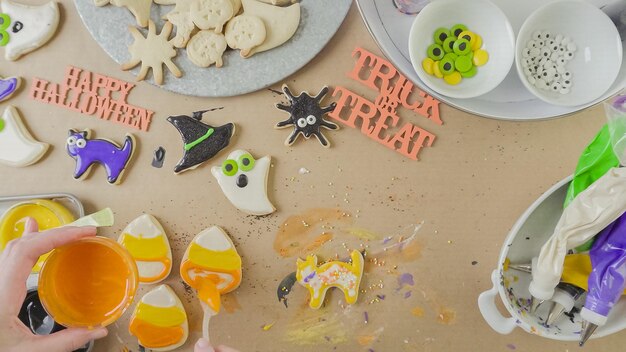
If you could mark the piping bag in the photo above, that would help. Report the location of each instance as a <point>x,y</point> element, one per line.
<point>212,266</point>
<point>597,158</point>
<point>606,282</point>
<point>589,213</point>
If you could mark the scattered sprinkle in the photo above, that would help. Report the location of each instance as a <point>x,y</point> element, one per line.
<point>366,317</point>
<point>474,262</point>
<point>267,326</point>
<point>304,170</point>
<point>407,294</point>
<point>381,297</point>
<point>405,279</point>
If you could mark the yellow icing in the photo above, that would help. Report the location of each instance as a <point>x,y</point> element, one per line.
<point>48,214</point>
<point>160,316</point>
<point>345,276</point>
<point>214,260</point>
<point>146,249</point>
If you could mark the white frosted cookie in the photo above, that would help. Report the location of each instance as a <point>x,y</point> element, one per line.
<point>244,182</point>
<point>281,23</point>
<point>245,32</point>
<point>27,27</point>
<point>17,147</point>
<point>211,14</point>
<point>139,8</point>
<point>180,17</point>
<point>206,48</point>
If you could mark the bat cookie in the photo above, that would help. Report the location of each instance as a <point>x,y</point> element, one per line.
<point>88,152</point>
<point>244,182</point>
<point>201,141</point>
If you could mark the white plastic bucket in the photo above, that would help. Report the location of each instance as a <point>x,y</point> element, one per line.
<point>523,243</point>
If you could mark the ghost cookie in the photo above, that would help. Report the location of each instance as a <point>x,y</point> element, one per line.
<point>147,243</point>
<point>159,321</point>
<point>211,14</point>
<point>26,28</point>
<point>206,48</point>
<point>17,147</point>
<point>245,32</point>
<point>201,142</point>
<point>139,8</point>
<point>281,23</point>
<point>88,152</point>
<point>244,182</point>
<point>8,86</point>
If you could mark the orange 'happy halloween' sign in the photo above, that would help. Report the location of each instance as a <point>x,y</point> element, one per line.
<point>377,117</point>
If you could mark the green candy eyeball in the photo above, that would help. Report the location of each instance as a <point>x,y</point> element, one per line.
<point>457,29</point>
<point>435,52</point>
<point>463,63</point>
<point>470,73</point>
<point>229,167</point>
<point>446,66</point>
<point>448,44</point>
<point>246,162</point>
<point>441,34</point>
<point>462,46</point>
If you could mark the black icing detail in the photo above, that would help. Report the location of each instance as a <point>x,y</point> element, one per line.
<point>159,157</point>
<point>301,107</point>
<point>245,161</point>
<point>228,167</point>
<point>191,129</point>
<point>242,180</point>
<point>284,288</point>
<point>34,316</point>
<point>17,26</point>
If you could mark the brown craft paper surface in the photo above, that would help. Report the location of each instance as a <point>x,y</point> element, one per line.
<point>468,189</point>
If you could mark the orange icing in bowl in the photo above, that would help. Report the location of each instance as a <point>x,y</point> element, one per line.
<point>88,283</point>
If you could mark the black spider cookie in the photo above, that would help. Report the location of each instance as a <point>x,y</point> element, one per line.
<point>306,116</point>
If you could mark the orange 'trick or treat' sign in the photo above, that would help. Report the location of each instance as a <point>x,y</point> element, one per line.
<point>212,266</point>
<point>88,283</point>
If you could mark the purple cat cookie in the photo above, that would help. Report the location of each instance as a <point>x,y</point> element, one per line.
<point>87,152</point>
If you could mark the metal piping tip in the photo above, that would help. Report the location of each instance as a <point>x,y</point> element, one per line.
<point>534,304</point>
<point>585,334</point>
<point>527,268</point>
<point>556,311</point>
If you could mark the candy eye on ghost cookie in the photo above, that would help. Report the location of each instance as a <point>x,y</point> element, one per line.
<point>246,162</point>
<point>229,167</point>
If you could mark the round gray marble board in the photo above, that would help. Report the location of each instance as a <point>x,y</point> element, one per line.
<point>320,20</point>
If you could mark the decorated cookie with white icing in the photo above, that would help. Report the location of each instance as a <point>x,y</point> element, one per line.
<point>244,182</point>
<point>318,279</point>
<point>159,321</point>
<point>281,23</point>
<point>17,147</point>
<point>147,243</point>
<point>26,27</point>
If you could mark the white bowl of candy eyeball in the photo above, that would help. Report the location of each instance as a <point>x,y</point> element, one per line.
<point>481,47</point>
<point>568,53</point>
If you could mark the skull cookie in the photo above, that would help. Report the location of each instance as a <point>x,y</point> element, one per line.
<point>206,48</point>
<point>244,182</point>
<point>245,32</point>
<point>211,14</point>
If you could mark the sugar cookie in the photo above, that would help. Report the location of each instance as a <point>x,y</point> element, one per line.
<point>139,8</point>
<point>345,276</point>
<point>101,3</point>
<point>279,2</point>
<point>244,182</point>
<point>306,116</point>
<point>165,2</point>
<point>26,27</point>
<point>8,86</point>
<point>153,51</point>
<point>88,152</point>
<point>236,7</point>
<point>17,147</point>
<point>201,141</point>
<point>147,243</point>
<point>211,14</point>
<point>180,17</point>
<point>159,321</point>
<point>206,48</point>
<point>245,32</point>
<point>281,23</point>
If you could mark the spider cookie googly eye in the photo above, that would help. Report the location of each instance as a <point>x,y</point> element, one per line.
<point>302,122</point>
<point>311,119</point>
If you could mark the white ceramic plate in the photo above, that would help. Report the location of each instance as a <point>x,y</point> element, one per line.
<point>497,37</point>
<point>320,20</point>
<point>510,100</point>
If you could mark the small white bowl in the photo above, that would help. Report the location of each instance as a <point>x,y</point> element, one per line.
<point>481,17</point>
<point>597,59</point>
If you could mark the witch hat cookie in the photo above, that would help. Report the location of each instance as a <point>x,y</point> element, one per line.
<point>17,147</point>
<point>201,141</point>
<point>25,28</point>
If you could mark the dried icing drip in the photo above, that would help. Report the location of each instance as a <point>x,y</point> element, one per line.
<point>316,327</point>
<point>418,311</point>
<point>230,303</point>
<point>446,316</point>
<point>304,233</point>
